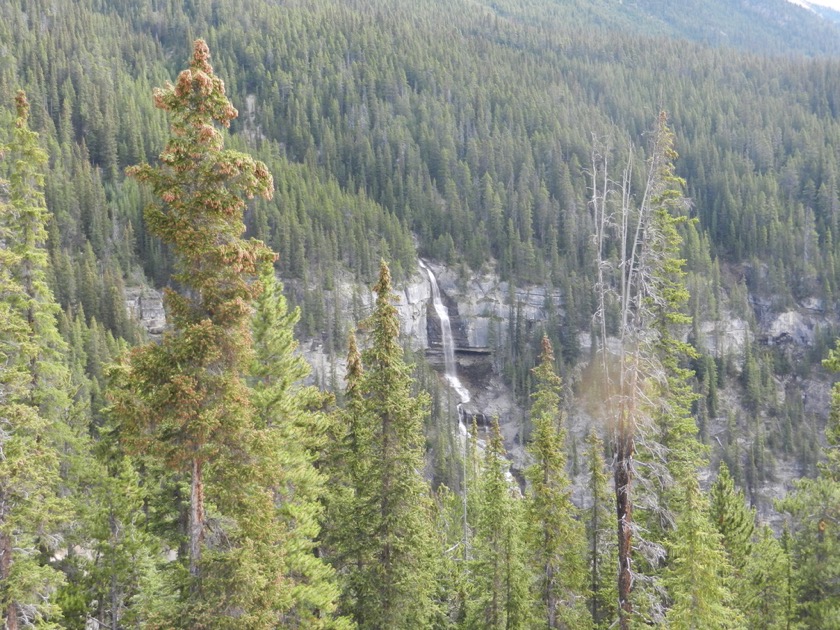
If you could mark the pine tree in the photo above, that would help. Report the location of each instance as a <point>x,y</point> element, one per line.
<point>763,597</point>
<point>119,581</point>
<point>734,521</point>
<point>499,579</point>
<point>386,553</point>
<point>555,537</point>
<point>698,574</point>
<point>185,401</point>
<point>33,393</point>
<point>290,426</point>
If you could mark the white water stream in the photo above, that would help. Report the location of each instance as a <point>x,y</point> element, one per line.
<point>448,345</point>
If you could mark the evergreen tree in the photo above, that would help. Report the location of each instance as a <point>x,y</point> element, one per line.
<point>119,582</point>
<point>763,597</point>
<point>386,557</point>
<point>499,597</point>
<point>815,535</point>
<point>291,430</point>
<point>185,401</point>
<point>33,393</point>
<point>734,521</point>
<point>698,576</point>
<point>555,537</point>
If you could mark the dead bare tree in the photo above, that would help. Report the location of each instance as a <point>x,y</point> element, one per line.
<point>634,258</point>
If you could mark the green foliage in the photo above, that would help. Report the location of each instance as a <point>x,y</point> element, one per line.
<point>184,402</point>
<point>698,577</point>
<point>499,581</point>
<point>291,432</point>
<point>454,125</point>
<point>764,597</point>
<point>554,535</point>
<point>734,521</point>
<point>814,507</point>
<point>34,437</point>
<point>385,549</point>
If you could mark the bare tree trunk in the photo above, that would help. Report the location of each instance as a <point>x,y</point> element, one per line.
<point>196,517</point>
<point>624,512</point>
<point>10,614</point>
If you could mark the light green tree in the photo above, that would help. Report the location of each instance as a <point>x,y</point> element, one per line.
<point>763,598</point>
<point>34,397</point>
<point>734,521</point>
<point>698,575</point>
<point>499,579</point>
<point>291,429</point>
<point>554,534</point>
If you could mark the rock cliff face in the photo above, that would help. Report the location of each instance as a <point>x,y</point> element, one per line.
<point>480,309</point>
<point>146,306</point>
<point>485,304</point>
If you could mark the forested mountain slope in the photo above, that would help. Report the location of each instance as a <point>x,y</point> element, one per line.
<point>465,132</point>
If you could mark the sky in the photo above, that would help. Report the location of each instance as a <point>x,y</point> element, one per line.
<point>833,4</point>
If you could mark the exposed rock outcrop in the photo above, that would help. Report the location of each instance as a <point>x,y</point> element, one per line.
<point>145,305</point>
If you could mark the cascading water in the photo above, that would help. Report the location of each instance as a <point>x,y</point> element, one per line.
<point>447,343</point>
<point>448,346</point>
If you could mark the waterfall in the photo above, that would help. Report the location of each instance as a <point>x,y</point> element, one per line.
<point>448,345</point>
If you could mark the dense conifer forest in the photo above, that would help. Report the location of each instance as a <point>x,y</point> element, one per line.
<point>665,168</point>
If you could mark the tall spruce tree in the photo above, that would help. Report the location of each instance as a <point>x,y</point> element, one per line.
<point>677,519</point>
<point>34,400</point>
<point>498,596</point>
<point>185,401</point>
<point>386,554</point>
<point>554,534</point>
<point>291,429</point>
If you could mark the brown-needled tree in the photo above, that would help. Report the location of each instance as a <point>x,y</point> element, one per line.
<point>185,401</point>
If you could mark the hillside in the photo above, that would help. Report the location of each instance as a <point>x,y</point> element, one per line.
<point>470,134</point>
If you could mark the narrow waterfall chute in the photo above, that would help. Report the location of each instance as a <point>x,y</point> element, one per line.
<point>447,343</point>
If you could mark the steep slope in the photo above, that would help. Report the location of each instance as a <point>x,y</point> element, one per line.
<point>468,129</point>
<point>760,26</point>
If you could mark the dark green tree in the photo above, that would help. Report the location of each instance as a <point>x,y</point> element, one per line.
<point>386,556</point>
<point>600,537</point>
<point>814,507</point>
